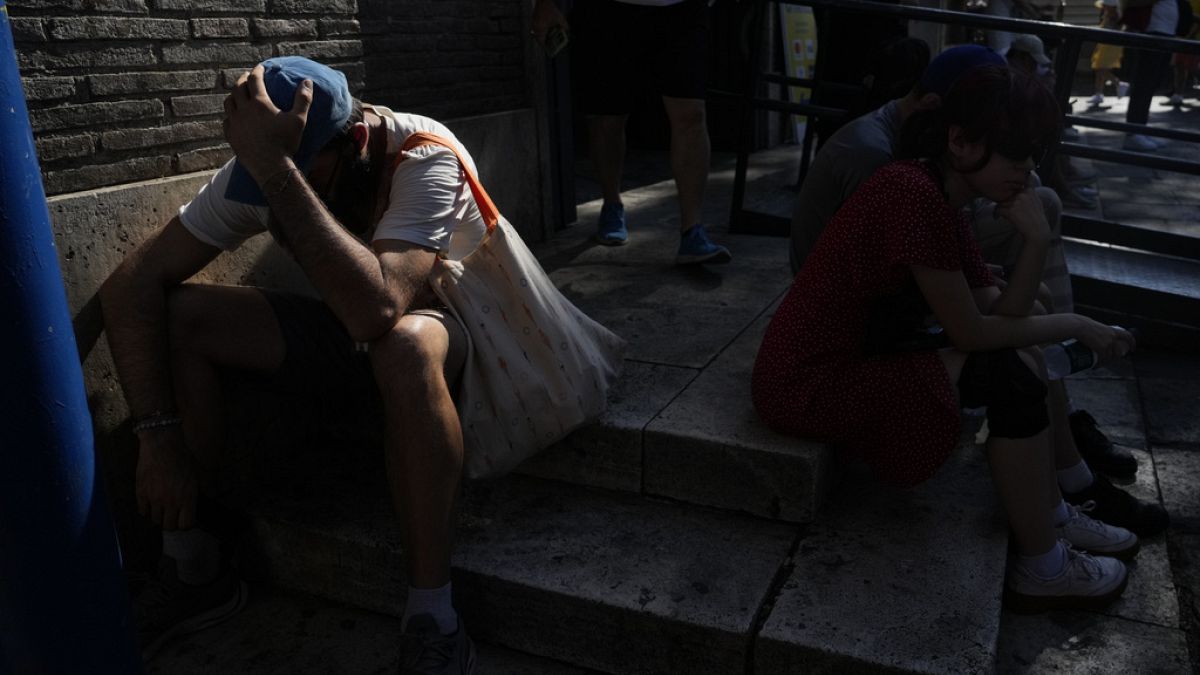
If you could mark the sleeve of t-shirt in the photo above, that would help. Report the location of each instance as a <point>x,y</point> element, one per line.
<point>974,267</point>
<point>859,167</point>
<point>425,202</point>
<point>917,226</point>
<point>218,221</point>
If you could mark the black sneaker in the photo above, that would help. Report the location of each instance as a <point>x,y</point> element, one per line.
<point>425,651</point>
<point>167,607</point>
<point>1115,506</point>
<point>1099,452</point>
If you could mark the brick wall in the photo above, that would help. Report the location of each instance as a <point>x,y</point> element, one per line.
<point>128,90</point>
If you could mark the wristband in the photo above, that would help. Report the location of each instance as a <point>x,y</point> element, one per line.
<point>156,420</point>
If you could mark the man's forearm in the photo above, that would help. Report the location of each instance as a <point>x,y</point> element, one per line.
<point>135,317</point>
<point>344,271</point>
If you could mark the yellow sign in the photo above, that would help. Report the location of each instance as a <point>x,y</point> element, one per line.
<point>800,46</point>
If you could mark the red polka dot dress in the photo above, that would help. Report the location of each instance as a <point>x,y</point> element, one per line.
<point>813,378</point>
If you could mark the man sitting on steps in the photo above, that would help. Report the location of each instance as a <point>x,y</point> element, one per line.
<point>317,168</point>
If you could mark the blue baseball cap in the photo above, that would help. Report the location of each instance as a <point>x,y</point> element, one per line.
<point>327,116</point>
<point>945,68</point>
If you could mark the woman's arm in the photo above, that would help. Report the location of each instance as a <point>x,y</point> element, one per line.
<point>1028,217</point>
<point>970,330</point>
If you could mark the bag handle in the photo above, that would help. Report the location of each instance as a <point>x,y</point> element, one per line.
<point>487,209</point>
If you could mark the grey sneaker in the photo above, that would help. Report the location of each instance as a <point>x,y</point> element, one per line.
<point>167,607</point>
<point>425,651</point>
<point>1088,534</point>
<point>1086,582</point>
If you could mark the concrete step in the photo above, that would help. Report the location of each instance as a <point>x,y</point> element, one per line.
<point>1154,293</point>
<point>680,423</point>
<point>624,584</point>
<point>285,633</point>
<point>602,580</point>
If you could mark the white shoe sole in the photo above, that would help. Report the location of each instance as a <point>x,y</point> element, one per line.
<point>199,622</point>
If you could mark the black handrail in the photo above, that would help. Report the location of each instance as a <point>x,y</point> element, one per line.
<point>1041,28</point>
<point>1068,56</point>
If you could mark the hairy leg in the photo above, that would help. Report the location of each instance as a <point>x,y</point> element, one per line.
<point>212,327</point>
<point>413,365</point>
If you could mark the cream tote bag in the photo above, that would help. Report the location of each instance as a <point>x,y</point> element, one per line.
<point>537,367</point>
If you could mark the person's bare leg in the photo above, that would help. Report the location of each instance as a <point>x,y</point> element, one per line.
<point>1023,475</point>
<point>690,155</point>
<point>422,438</point>
<point>606,136</point>
<point>211,327</point>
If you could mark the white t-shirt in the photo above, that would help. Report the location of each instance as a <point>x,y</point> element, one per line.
<point>430,203</point>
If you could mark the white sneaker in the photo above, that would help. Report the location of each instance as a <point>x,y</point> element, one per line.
<point>1088,534</point>
<point>1096,100</point>
<point>1140,143</point>
<point>1086,582</point>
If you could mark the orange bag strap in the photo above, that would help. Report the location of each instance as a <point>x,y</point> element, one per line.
<point>487,209</point>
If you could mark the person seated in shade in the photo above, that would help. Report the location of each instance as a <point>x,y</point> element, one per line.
<point>868,143</point>
<point>323,173</point>
<point>895,323</point>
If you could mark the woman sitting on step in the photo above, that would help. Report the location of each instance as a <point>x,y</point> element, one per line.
<point>895,323</point>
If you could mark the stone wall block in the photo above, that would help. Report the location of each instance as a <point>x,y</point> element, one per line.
<point>325,7</point>
<point>220,28</point>
<point>109,6</point>
<point>203,104</point>
<point>141,83</point>
<point>90,114</point>
<point>334,27</point>
<point>268,28</point>
<point>257,6</point>
<point>27,29</point>
<point>48,88</point>
<point>216,52</point>
<point>51,148</point>
<point>127,139</point>
<point>37,61</point>
<point>88,177</point>
<point>323,49</point>
<point>203,159</point>
<point>117,28</point>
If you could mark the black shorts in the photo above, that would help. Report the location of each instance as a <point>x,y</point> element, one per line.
<point>320,358</point>
<point>617,47</point>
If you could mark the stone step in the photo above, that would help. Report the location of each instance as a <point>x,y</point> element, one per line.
<point>680,422</point>
<point>286,632</point>
<point>624,584</point>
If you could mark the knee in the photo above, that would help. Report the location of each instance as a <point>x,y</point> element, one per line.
<point>689,118</point>
<point>188,318</point>
<point>1011,384</point>
<point>409,354</point>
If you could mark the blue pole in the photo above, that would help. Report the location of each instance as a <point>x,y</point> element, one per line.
<point>64,607</point>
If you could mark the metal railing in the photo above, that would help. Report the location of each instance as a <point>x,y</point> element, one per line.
<point>1066,60</point>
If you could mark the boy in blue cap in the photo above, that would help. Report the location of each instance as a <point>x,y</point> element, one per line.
<point>318,170</point>
<point>861,147</point>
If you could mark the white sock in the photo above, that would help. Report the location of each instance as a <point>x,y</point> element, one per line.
<point>1061,514</point>
<point>1047,565</point>
<point>197,555</point>
<point>435,602</point>
<point>1075,478</point>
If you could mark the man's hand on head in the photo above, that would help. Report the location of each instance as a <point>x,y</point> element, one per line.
<point>262,136</point>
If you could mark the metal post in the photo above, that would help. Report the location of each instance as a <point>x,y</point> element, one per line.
<point>64,607</point>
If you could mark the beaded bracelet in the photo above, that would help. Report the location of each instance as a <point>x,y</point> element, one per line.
<point>156,420</point>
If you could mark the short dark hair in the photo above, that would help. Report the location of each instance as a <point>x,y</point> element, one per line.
<point>993,104</point>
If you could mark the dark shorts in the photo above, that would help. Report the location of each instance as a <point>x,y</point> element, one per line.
<point>617,49</point>
<point>320,357</point>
